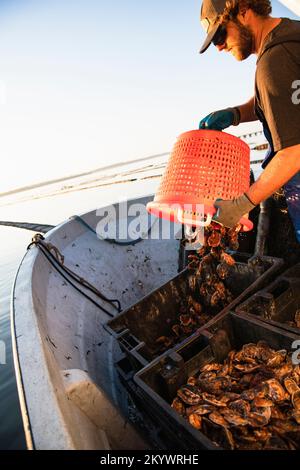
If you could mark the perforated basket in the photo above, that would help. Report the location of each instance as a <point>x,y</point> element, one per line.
<point>205,165</point>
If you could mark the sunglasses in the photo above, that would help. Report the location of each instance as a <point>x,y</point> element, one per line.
<point>220,36</point>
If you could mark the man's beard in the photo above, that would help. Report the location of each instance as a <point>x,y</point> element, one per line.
<point>246,42</point>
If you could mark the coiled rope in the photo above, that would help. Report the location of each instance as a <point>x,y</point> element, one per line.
<point>56,259</point>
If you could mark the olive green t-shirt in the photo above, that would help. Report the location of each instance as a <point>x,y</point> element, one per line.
<point>276,83</point>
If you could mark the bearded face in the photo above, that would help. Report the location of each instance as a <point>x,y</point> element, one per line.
<point>242,46</point>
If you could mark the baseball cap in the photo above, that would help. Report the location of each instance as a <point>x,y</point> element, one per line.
<point>210,11</point>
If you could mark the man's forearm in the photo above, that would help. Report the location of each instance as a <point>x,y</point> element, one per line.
<point>247,111</point>
<point>280,170</point>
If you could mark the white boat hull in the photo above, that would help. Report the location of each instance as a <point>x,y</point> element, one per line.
<point>70,395</point>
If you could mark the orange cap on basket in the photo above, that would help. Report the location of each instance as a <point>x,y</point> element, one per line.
<point>205,165</point>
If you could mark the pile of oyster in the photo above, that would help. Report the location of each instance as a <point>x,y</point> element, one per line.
<point>210,266</point>
<point>250,401</point>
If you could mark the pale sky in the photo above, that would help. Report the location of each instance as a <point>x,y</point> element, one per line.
<point>87,83</point>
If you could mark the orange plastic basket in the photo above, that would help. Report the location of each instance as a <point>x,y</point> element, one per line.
<point>205,165</point>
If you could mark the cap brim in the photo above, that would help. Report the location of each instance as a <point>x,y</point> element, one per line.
<point>209,39</point>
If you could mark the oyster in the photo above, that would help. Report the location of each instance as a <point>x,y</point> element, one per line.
<point>262,402</point>
<point>215,386</point>
<point>234,418</point>
<point>283,371</point>
<point>275,390</point>
<point>276,413</point>
<point>209,375</point>
<point>192,381</point>
<point>229,438</point>
<point>200,409</point>
<point>215,299</point>
<point>190,395</point>
<point>296,400</point>
<point>257,419</point>
<point>262,434</point>
<point>246,368</point>
<point>165,341</point>
<point>178,406</point>
<point>217,418</point>
<point>277,358</point>
<point>193,282</point>
<point>246,380</point>
<point>226,258</point>
<point>290,385</point>
<point>196,305</point>
<point>240,406</point>
<point>223,270</point>
<point>215,366</point>
<point>214,239</point>
<point>264,351</point>
<point>195,420</point>
<point>256,392</point>
<point>208,398</point>
<point>229,396</point>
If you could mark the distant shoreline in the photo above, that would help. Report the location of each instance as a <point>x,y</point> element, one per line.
<point>78,175</point>
<point>256,133</point>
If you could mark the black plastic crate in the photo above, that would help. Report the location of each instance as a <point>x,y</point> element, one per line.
<point>158,382</point>
<point>157,436</point>
<point>138,327</point>
<point>278,302</point>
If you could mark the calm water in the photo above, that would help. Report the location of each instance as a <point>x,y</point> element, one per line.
<point>13,243</point>
<point>11,430</point>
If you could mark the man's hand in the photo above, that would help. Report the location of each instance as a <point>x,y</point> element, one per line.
<point>222,119</point>
<point>230,212</point>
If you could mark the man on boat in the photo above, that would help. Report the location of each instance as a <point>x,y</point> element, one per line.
<point>245,27</point>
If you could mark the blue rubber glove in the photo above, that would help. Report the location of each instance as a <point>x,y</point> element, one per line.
<point>230,212</point>
<point>219,120</point>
